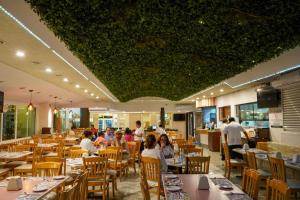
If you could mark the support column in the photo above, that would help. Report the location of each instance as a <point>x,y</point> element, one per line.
<point>84,118</point>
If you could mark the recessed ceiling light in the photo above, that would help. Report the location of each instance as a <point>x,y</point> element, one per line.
<point>92,94</point>
<point>48,70</point>
<point>193,100</point>
<point>197,98</point>
<point>211,93</point>
<point>20,54</point>
<point>85,91</point>
<point>97,97</point>
<point>221,90</point>
<point>77,86</point>
<point>203,96</point>
<point>66,80</point>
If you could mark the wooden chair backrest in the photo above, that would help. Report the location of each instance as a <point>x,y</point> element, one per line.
<point>77,153</point>
<point>58,159</point>
<point>68,193</point>
<point>197,165</point>
<point>47,169</point>
<point>97,167</point>
<point>250,182</point>
<point>151,167</point>
<point>277,168</point>
<point>185,147</point>
<point>226,154</point>
<point>277,190</point>
<point>179,141</point>
<point>132,149</point>
<point>262,146</point>
<point>193,150</point>
<point>21,147</point>
<point>82,180</point>
<point>251,160</point>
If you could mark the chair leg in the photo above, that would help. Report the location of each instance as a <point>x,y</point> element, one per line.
<point>229,172</point>
<point>113,186</point>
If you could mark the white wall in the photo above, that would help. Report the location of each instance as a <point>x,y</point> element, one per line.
<point>42,116</point>
<point>180,125</point>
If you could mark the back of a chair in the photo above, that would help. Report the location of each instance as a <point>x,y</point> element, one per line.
<point>250,182</point>
<point>144,185</point>
<point>47,169</point>
<point>112,155</point>
<point>57,159</point>
<point>21,147</point>
<point>277,190</point>
<point>77,153</point>
<point>197,165</point>
<point>277,168</point>
<point>69,193</point>
<point>262,146</point>
<point>132,149</point>
<point>82,189</point>
<point>226,154</point>
<point>185,147</point>
<point>251,160</point>
<point>97,167</point>
<point>151,167</point>
<point>193,150</point>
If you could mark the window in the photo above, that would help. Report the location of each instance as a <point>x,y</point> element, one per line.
<point>250,115</point>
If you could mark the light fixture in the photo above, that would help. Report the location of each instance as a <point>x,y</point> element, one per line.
<point>221,90</point>
<point>48,70</point>
<point>97,97</point>
<point>86,91</point>
<point>211,93</point>
<point>193,100</point>
<point>77,86</point>
<point>20,54</point>
<point>55,111</point>
<point>197,98</point>
<point>30,105</point>
<point>92,94</point>
<point>258,89</point>
<point>204,96</point>
<point>66,80</point>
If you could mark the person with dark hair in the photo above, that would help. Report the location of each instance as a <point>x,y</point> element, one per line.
<point>86,143</point>
<point>165,146</point>
<point>128,135</point>
<point>232,136</point>
<point>139,134</point>
<point>224,124</point>
<point>152,152</point>
<point>100,139</point>
<point>109,135</point>
<point>119,141</point>
<point>160,130</point>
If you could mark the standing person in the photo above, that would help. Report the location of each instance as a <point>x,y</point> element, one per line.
<point>224,124</point>
<point>152,152</point>
<point>128,135</point>
<point>94,130</point>
<point>139,134</point>
<point>232,135</point>
<point>108,136</point>
<point>160,130</point>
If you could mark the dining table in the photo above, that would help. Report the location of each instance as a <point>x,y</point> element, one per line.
<point>34,188</point>
<point>14,156</point>
<point>185,186</point>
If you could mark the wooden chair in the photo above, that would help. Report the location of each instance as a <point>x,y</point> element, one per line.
<point>138,152</point>
<point>197,165</point>
<point>198,151</point>
<point>97,182</point>
<point>144,186</point>
<point>251,161</point>
<point>121,165</point>
<point>230,163</point>
<point>69,193</point>
<point>151,170</point>
<point>47,169</point>
<point>250,182</point>
<point>277,190</point>
<point>18,148</point>
<point>132,153</point>
<point>262,146</point>
<point>57,159</point>
<point>77,153</point>
<point>82,190</point>
<point>112,156</point>
<point>22,147</point>
<point>185,147</point>
<point>278,171</point>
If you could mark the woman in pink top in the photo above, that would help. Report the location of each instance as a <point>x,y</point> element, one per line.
<point>128,135</point>
<point>100,139</point>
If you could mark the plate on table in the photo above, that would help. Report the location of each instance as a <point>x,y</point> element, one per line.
<point>58,177</point>
<point>40,188</point>
<point>173,188</point>
<point>171,176</point>
<point>225,186</point>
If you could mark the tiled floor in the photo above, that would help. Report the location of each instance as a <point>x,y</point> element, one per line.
<point>129,188</point>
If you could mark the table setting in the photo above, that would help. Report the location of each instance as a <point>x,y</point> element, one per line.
<point>173,186</point>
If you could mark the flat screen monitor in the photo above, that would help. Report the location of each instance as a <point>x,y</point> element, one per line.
<point>268,97</point>
<point>179,117</point>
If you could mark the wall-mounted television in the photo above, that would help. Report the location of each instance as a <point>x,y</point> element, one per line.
<point>1,101</point>
<point>268,97</point>
<point>178,117</point>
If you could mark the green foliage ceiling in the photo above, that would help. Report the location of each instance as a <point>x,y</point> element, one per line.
<point>171,48</point>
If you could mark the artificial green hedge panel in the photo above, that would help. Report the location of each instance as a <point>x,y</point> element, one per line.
<point>174,48</point>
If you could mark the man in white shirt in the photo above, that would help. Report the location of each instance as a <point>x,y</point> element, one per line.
<point>87,144</point>
<point>160,130</point>
<point>224,124</point>
<point>139,134</point>
<point>232,135</point>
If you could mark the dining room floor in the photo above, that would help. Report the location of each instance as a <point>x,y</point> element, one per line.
<point>129,187</point>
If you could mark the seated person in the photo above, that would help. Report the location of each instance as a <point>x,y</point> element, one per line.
<point>151,151</point>
<point>109,135</point>
<point>72,132</point>
<point>100,139</point>
<point>119,141</point>
<point>86,143</point>
<point>128,135</point>
<point>165,146</point>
